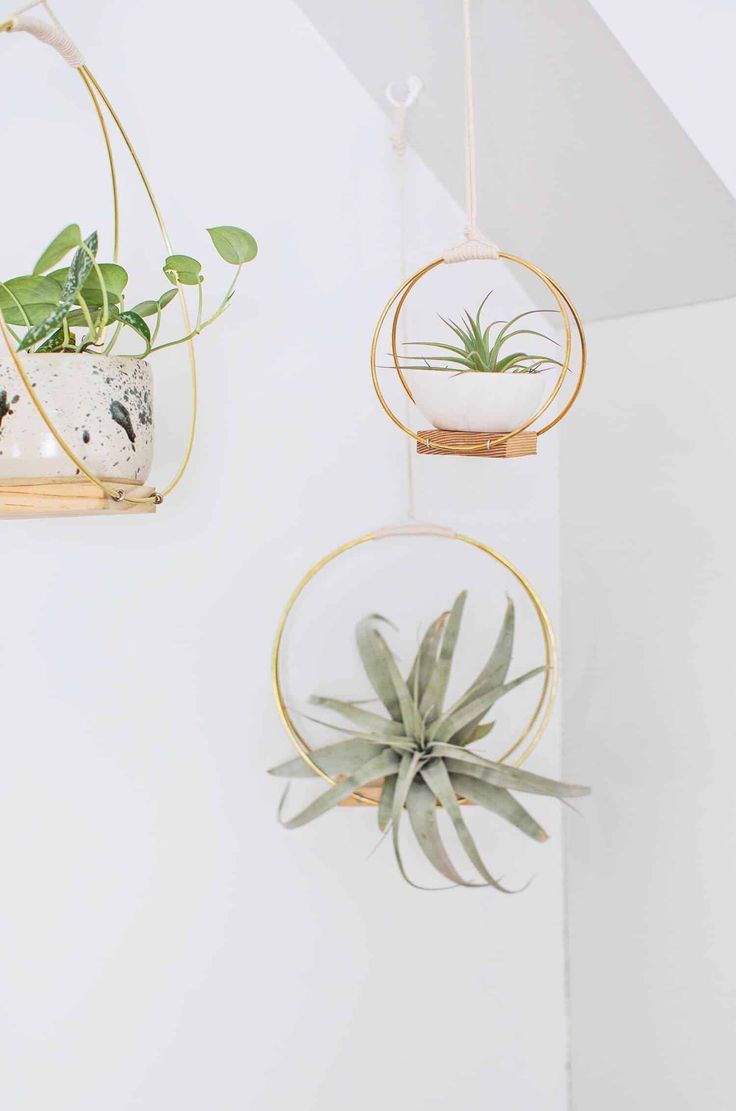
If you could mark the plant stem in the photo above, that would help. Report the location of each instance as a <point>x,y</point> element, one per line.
<point>201,325</point>
<point>200,304</point>
<point>233,283</point>
<point>91,328</point>
<point>113,341</point>
<point>157,326</point>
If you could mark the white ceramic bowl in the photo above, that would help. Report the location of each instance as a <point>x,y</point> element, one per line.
<point>101,404</point>
<point>477,402</point>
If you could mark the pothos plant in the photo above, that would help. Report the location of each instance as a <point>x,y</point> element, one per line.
<point>81,307</point>
<point>421,751</point>
<point>483,349</point>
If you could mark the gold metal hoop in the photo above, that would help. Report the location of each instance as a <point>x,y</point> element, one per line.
<point>567,310</point>
<point>532,733</point>
<point>95,91</point>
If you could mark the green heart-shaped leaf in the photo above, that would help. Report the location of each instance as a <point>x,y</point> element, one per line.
<point>114,277</point>
<point>64,242</point>
<point>77,319</point>
<point>184,269</point>
<point>235,245</point>
<point>150,308</point>
<point>29,297</point>
<point>137,323</point>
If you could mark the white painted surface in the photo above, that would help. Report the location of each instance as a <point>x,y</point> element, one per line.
<point>582,168</point>
<point>163,942</point>
<point>649,547</point>
<point>685,49</point>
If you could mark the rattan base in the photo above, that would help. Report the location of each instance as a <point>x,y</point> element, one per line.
<point>66,497</point>
<point>436,441</point>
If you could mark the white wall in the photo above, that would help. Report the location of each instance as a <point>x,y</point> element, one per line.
<point>683,48</point>
<point>163,942</point>
<point>649,547</point>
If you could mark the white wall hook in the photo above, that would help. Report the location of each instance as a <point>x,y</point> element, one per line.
<point>413,86</point>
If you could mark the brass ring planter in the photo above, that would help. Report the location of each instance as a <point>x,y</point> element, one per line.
<point>524,745</point>
<point>447,442</point>
<point>95,493</point>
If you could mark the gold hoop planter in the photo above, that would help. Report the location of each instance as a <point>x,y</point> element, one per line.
<point>520,749</point>
<point>84,492</point>
<point>421,759</point>
<point>521,440</point>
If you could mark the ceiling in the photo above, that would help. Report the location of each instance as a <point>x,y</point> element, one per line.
<point>581,166</point>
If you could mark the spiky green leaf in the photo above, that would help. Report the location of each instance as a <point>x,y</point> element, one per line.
<point>385,763</point>
<point>426,658</point>
<point>374,663</point>
<point>364,719</point>
<point>464,762</point>
<point>386,801</point>
<point>422,810</point>
<point>407,771</point>
<point>458,717</point>
<point>437,778</point>
<point>408,709</point>
<point>500,802</point>
<point>342,758</point>
<point>495,669</point>
<point>434,694</point>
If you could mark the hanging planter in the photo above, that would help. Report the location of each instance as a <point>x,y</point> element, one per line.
<point>470,382</point>
<point>76,385</point>
<point>483,387</point>
<point>414,753</point>
<point>483,398</point>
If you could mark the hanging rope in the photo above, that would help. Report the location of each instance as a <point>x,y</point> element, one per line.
<point>399,143</point>
<point>56,36</point>
<point>53,35</point>
<point>475,245</point>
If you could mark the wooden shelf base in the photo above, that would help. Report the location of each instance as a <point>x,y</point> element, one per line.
<point>66,497</point>
<point>373,791</point>
<point>436,441</point>
<point>370,792</point>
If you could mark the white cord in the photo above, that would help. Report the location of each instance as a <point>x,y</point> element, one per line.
<point>399,143</point>
<point>475,245</point>
<point>53,35</point>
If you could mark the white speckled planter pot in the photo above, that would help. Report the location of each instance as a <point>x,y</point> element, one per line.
<point>477,402</point>
<point>101,404</point>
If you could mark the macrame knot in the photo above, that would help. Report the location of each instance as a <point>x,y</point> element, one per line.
<point>472,248</point>
<point>415,528</point>
<point>52,35</point>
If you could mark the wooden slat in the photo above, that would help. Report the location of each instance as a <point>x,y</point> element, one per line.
<point>374,792</point>
<point>66,497</point>
<point>435,441</point>
<point>370,792</point>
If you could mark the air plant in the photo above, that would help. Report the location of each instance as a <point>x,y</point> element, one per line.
<point>482,347</point>
<point>70,308</point>
<point>421,751</point>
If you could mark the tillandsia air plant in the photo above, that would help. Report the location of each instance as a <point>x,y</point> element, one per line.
<point>421,752</point>
<point>484,349</point>
<point>81,307</point>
